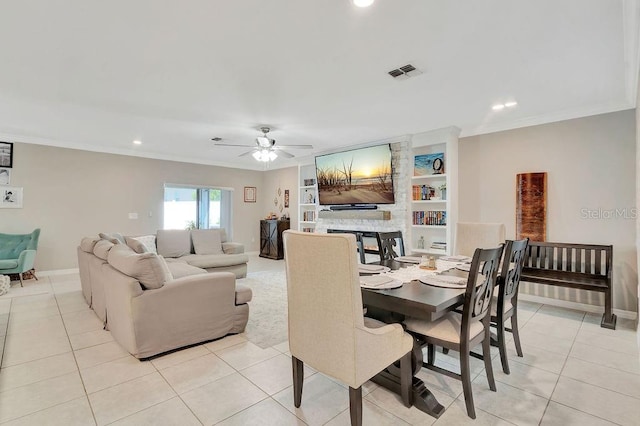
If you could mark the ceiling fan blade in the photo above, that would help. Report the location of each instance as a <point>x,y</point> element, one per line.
<point>247,153</point>
<point>232,144</point>
<point>294,146</point>
<point>285,154</point>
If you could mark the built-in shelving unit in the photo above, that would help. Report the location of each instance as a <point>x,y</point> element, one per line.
<point>434,193</point>
<point>307,198</point>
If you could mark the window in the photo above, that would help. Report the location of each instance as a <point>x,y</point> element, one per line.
<point>189,207</point>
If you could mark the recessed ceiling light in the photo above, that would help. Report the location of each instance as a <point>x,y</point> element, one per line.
<point>510,104</point>
<point>497,107</point>
<point>363,3</point>
<point>137,142</point>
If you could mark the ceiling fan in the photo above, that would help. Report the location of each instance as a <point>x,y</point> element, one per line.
<point>266,148</point>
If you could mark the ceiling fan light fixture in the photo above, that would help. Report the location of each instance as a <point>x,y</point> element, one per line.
<point>265,155</point>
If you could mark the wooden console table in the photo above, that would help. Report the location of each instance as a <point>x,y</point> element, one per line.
<point>271,238</point>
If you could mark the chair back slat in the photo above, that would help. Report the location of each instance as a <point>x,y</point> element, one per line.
<point>390,245</point>
<point>598,262</point>
<point>514,257</point>
<point>480,285</point>
<point>560,263</point>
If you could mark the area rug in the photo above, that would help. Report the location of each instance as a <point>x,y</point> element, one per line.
<point>267,324</point>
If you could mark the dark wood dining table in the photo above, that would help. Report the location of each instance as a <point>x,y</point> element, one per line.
<point>413,299</point>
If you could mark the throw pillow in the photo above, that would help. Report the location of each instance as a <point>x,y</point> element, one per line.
<point>87,244</point>
<point>148,268</point>
<point>102,248</point>
<point>149,242</point>
<point>115,238</point>
<point>173,242</point>
<point>207,241</point>
<point>136,245</point>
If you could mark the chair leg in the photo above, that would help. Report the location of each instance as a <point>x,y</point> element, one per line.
<point>515,331</point>
<point>502,346</point>
<point>465,376</point>
<point>486,355</point>
<point>445,350</point>
<point>298,379</point>
<point>20,276</point>
<point>431,354</point>
<point>355,406</point>
<point>406,379</point>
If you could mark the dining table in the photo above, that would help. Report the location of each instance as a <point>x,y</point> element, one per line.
<point>413,299</point>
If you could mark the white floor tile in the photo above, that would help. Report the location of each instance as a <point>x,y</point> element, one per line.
<point>531,379</point>
<point>90,338</point>
<point>456,415</point>
<point>604,377</point>
<point>114,372</point>
<point>129,398</point>
<point>608,341</point>
<point>245,355</point>
<point>274,374</point>
<point>81,322</point>
<point>607,358</point>
<point>38,370</point>
<point>73,413</point>
<point>197,372</point>
<point>223,398</point>
<point>225,342</point>
<point>392,403</point>
<point>265,413</point>
<point>99,354</point>
<point>597,401</point>
<point>38,396</point>
<point>371,415</point>
<point>178,357</point>
<point>173,412</point>
<point>558,414</point>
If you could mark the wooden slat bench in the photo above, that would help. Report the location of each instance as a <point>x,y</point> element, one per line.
<point>581,266</point>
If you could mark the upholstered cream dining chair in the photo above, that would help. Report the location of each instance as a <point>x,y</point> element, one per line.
<point>470,236</point>
<point>327,330</point>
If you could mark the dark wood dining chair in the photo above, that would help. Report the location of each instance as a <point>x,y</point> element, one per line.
<point>505,303</point>
<point>461,332</point>
<point>359,241</point>
<point>390,244</point>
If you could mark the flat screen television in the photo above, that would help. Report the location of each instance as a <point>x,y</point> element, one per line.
<point>360,176</point>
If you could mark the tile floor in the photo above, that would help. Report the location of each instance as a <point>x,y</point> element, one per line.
<point>61,368</point>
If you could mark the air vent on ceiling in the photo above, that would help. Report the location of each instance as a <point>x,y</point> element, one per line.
<point>405,72</point>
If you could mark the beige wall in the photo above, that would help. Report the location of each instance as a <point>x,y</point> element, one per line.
<point>590,164</point>
<point>71,193</point>
<point>281,179</point>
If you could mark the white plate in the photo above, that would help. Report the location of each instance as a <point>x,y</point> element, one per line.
<point>379,282</point>
<point>444,281</point>
<point>456,258</point>
<point>367,270</point>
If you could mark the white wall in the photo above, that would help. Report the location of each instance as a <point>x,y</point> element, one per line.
<point>590,164</point>
<point>70,194</point>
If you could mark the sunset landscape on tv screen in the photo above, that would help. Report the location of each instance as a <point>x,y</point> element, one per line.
<point>359,176</point>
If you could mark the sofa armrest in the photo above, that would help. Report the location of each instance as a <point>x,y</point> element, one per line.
<point>233,248</point>
<point>26,260</point>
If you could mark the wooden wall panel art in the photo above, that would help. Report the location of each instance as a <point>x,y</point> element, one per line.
<point>531,206</point>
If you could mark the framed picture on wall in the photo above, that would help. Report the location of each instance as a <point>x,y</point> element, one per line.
<point>6,154</point>
<point>249,194</point>
<point>10,197</point>
<point>5,176</point>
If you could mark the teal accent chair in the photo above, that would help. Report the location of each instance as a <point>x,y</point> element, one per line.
<point>18,252</point>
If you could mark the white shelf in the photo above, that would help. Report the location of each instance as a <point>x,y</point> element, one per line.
<point>308,187</point>
<point>308,205</point>
<point>307,222</point>
<point>429,201</point>
<point>430,226</point>
<point>440,176</point>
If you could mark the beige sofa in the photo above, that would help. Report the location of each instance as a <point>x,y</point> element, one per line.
<point>152,306</point>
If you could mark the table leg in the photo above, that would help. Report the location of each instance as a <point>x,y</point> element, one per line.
<point>423,399</point>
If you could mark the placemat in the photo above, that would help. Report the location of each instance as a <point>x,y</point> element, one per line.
<point>378,282</point>
<point>444,281</point>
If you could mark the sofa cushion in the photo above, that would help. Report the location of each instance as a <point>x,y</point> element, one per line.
<point>206,241</point>
<point>223,235</point>
<point>149,242</point>
<point>8,263</point>
<point>136,245</point>
<point>87,244</point>
<point>233,248</point>
<point>148,268</point>
<point>243,294</point>
<point>215,260</point>
<point>180,269</point>
<point>102,248</point>
<point>114,237</point>
<point>173,242</point>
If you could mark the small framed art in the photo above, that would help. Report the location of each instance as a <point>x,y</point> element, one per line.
<point>6,154</point>
<point>249,194</point>
<point>10,197</point>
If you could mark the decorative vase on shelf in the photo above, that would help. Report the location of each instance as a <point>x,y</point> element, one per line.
<point>444,194</point>
<point>421,243</point>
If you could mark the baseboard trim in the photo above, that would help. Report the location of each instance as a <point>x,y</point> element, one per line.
<point>57,272</point>
<point>575,305</point>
